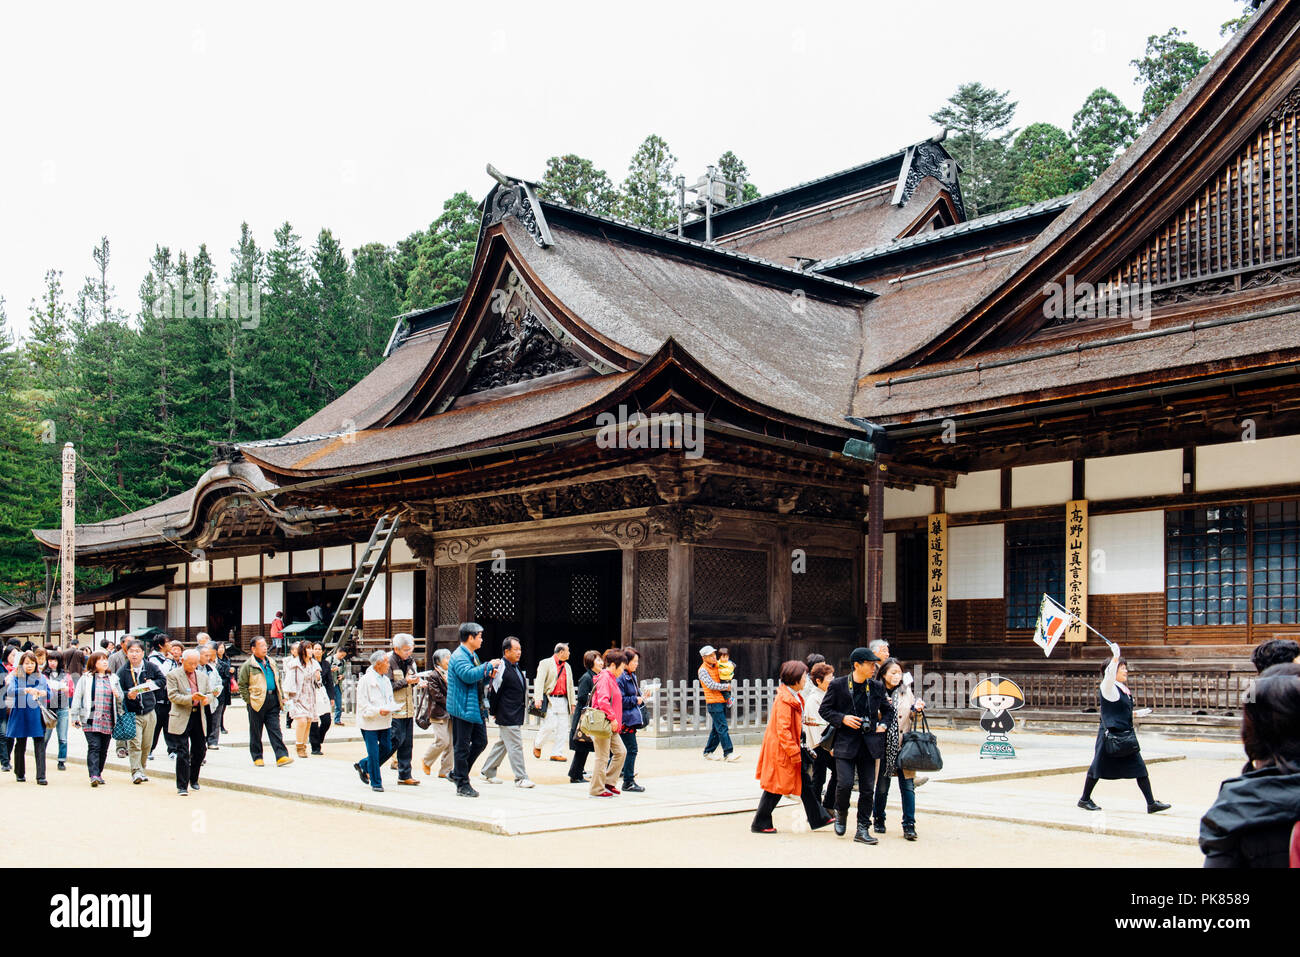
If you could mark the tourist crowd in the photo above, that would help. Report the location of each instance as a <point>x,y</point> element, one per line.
<point>824,732</point>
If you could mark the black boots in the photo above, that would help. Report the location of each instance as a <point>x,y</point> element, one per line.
<point>1089,805</point>
<point>1154,807</point>
<point>864,836</point>
<point>840,823</point>
<point>909,832</point>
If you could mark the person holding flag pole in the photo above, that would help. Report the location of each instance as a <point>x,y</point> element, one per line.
<point>1117,753</point>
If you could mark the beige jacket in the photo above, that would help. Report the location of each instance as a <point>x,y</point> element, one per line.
<point>547,676</point>
<point>178,693</point>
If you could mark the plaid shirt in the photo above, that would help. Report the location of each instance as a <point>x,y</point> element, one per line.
<point>101,716</point>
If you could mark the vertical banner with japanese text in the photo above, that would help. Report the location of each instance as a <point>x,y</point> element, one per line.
<point>936,609</point>
<point>1076,567</point>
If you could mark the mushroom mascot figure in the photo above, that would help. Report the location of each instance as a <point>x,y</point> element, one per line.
<point>997,697</point>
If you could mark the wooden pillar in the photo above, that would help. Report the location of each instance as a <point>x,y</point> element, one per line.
<point>679,611</point>
<point>628,594</point>
<point>430,609</point>
<point>875,554</point>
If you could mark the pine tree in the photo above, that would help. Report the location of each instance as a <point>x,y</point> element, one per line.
<point>1102,129</point>
<point>1042,164</point>
<point>334,314</point>
<point>239,331</point>
<point>29,493</point>
<point>376,297</point>
<point>979,116</point>
<point>1169,65</point>
<point>575,181</point>
<point>731,167</point>
<point>286,341</point>
<point>445,256</point>
<point>646,196</point>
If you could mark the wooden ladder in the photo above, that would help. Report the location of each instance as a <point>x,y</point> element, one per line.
<point>348,611</point>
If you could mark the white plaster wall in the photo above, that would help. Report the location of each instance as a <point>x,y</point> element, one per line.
<point>901,503</point>
<point>975,561</point>
<point>1248,464</point>
<point>975,492</point>
<point>1129,476</point>
<point>1126,553</point>
<point>1046,484</point>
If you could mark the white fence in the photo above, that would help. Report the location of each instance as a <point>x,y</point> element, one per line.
<point>671,707</point>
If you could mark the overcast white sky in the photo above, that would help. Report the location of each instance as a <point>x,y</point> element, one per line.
<point>171,123</point>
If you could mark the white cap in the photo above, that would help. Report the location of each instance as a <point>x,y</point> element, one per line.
<point>706,651</point>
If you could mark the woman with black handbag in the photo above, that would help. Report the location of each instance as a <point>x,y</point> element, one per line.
<point>905,704</point>
<point>1117,754</point>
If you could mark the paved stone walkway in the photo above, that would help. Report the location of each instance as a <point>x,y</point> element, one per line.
<point>967,787</point>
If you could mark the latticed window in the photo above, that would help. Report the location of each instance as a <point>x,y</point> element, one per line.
<point>449,595</point>
<point>652,585</point>
<point>730,582</point>
<point>496,593</point>
<point>1035,556</point>
<point>584,598</point>
<point>1276,557</point>
<point>1206,566</point>
<point>823,591</point>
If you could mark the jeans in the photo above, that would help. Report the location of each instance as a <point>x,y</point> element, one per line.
<point>554,727</point>
<point>718,733</point>
<point>96,751</point>
<point>469,739</point>
<point>268,718</point>
<point>6,742</point>
<point>379,748</point>
<point>20,757</point>
<point>62,729</point>
<point>440,748</point>
<point>510,741</point>
<point>906,792</point>
<point>629,765</point>
<point>609,751</point>
<point>865,767</point>
<point>403,740</point>
<point>191,748</point>
<point>316,733</point>
<point>135,748</point>
<point>338,702</point>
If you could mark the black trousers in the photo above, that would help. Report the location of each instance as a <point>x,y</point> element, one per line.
<point>160,712</point>
<point>316,733</point>
<point>812,807</point>
<point>191,748</point>
<point>20,757</point>
<point>6,742</point>
<point>578,766</point>
<point>822,788</point>
<point>96,752</point>
<point>469,740</point>
<point>403,739</point>
<point>864,765</point>
<point>268,718</point>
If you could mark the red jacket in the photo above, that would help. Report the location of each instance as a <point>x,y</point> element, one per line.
<point>780,758</point>
<point>606,696</point>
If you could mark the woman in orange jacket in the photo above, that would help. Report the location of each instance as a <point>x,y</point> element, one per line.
<point>780,760</point>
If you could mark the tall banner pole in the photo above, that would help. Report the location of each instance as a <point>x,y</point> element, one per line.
<point>68,545</point>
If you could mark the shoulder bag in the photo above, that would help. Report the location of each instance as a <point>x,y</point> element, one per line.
<point>124,726</point>
<point>1119,744</point>
<point>919,750</point>
<point>594,723</point>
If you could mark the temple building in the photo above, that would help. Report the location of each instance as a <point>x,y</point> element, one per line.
<point>841,411</point>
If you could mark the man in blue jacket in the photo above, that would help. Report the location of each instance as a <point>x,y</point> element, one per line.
<point>465,677</point>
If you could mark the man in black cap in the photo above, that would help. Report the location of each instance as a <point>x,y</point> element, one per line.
<point>857,706</point>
